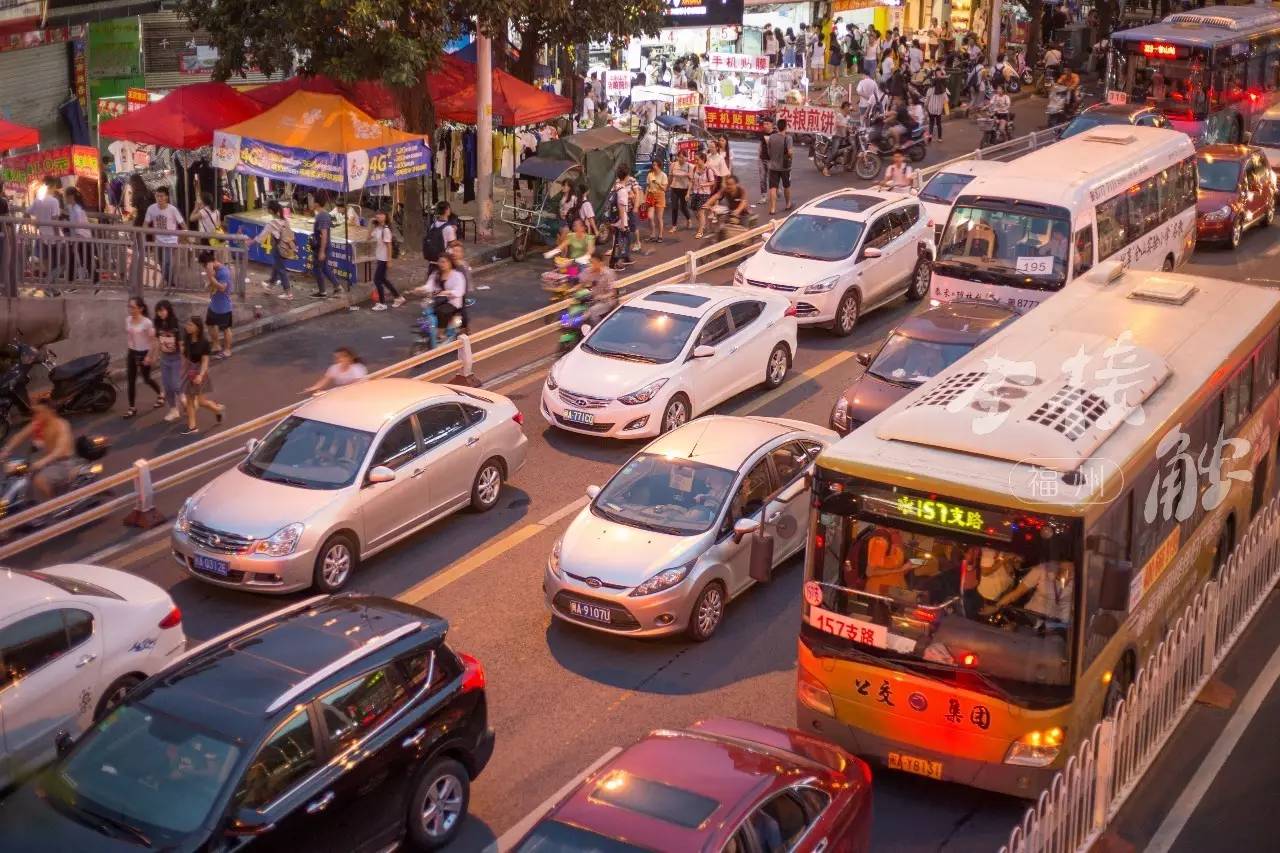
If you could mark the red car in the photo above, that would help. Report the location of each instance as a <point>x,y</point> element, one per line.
<point>726,786</point>
<point>1237,190</point>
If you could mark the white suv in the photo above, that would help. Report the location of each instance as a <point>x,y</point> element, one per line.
<point>843,254</point>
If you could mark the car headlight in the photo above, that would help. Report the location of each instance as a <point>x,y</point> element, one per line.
<point>840,414</point>
<point>1036,749</point>
<point>183,522</point>
<point>824,285</point>
<point>553,561</point>
<point>738,278</point>
<point>664,579</point>
<point>1223,212</point>
<point>644,395</point>
<point>281,543</point>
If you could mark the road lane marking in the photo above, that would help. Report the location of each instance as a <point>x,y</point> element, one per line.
<point>804,376</point>
<point>1185,806</point>
<point>471,562</point>
<point>515,833</point>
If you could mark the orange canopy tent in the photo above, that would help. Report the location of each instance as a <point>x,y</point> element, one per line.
<point>321,141</point>
<point>17,136</point>
<point>185,118</point>
<point>515,103</point>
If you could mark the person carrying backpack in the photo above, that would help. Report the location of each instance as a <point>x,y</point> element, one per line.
<point>440,233</point>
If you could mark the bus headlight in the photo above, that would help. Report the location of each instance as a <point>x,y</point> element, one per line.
<point>813,694</point>
<point>1036,749</point>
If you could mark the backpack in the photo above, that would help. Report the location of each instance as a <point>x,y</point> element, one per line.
<point>433,241</point>
<point>287,246</point>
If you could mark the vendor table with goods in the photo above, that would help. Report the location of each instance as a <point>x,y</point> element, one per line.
<point>350,247</point>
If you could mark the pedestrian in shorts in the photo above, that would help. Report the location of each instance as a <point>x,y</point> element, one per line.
<point>763,165</point>
<point>218,317</point>
<point>780,154</point>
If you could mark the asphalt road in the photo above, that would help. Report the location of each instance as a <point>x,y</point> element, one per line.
<point>560,697</point>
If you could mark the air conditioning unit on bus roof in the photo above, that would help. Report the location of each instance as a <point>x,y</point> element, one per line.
<point>1224,22</point>
<point>1110,137</point>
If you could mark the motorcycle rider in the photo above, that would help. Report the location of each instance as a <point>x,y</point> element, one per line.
<point>1071,80</point>
<point>1000,107</point>
<point>734,196</point>
<point>903,123</point>
<point>53,469</point>
<point>843,137</point>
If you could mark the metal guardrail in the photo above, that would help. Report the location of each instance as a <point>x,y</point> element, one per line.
<point>141,478</point>
<point>1089,792</point>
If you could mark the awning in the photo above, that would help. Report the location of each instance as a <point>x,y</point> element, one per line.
<point>544,168</point>
<point>183,119</point>
<point>515,103</point>
<point>17,135</point>
<point>371,96</point>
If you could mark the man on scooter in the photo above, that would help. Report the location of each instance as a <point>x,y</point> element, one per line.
<point>51,472</point>
<point>903,124</point>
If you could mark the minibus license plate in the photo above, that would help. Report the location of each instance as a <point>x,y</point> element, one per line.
<point>913,764</point>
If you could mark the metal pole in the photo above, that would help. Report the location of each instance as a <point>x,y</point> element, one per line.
<point>484,133</point>
<point>994,47</point>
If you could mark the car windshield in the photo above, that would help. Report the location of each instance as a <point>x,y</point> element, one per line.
<point>659,493</point>
<point>1267,133</point>
<point>1220,176</point>
<point>309,454</point>
<point>911,361</point>
<point>552,836</point>
<point>143,774</point>
<point>944,187</point>
<point>946,585</point>
<point>819,238</point>
<point>1009,247</point>
<point>641,334</point>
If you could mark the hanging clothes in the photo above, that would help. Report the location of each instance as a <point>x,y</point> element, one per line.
<point>469,166</point>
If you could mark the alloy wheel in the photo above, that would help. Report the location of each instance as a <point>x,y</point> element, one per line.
<point>847,316</point>
<point>337,565</point>
<point>442,806</point>
<point>777,366</point>
<point>676,416</point>
<point>488,484</point>
<point>710,609</point>
<point>1237,230</point>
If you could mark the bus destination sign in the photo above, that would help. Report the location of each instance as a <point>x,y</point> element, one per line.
<point>933,512</point>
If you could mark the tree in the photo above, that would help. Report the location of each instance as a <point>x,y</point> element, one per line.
<point>395,41</point>
<point>575,22</point>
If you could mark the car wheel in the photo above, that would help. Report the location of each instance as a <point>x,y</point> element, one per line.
<point>708,612</point>
<point>487,486</point>
<point>114,695</point>
<point>846,314</point>
<point>775,370</point>
<point>335,563</point>
<point>920,280</point>
<point>1237,231</point>
<point>438,805</point>
<point>676,414</point>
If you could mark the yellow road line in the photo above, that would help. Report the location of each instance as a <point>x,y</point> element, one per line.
<point>804,376</point>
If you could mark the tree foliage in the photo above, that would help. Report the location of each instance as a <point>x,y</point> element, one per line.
<point>573,22</point>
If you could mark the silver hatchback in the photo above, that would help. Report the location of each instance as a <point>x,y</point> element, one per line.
<point>345,476</point>
<point>691,521</point>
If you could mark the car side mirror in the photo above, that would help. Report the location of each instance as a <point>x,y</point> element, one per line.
<point>62,742</point>
<point>1114,592</point>
<point>251,445</point>
<point>744,527</point>
<point>793,491</point>
<point>593,492</point>
<point>704,351</point>
<point>870,252</point>
<point>381,474</point>
<point>864,358</point>
<point>586,329</point>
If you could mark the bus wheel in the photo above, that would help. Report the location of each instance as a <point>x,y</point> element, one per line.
<point>1121,678</point>
<point>1167,266</point>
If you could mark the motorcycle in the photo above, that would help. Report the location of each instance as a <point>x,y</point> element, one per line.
<point>835,152</point>
<point>1058,111</point>
<point>993,130</point>
<point>866,162</point>
<point>17,494</point>
<point>573,318</point>
<point>881,141</point>
<point>427,328</point>
<point>81,385</point>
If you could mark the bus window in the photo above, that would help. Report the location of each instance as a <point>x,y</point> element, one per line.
<point>1084,249</point>
<point>1107,542</point>
<point>1265,377</point>
<point>1113,216</point>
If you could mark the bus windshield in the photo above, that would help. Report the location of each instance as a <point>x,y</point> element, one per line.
<point>997,245</point>
<point>979,596</point>
<point>1175,85</point>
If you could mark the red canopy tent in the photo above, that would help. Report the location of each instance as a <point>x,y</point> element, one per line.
<point>371,96</point>
<point>17,136</point>
<point>185,118</point>
<point>515,103</point>
<point>453,76</point>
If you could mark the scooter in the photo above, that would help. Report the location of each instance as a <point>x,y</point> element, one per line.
<point>573,318</point>
<point>1058,110</point>
<point>914,146</point>
<point>17,494</point>
<point>993,130</point>
<point>427,331</point>
<point>836,152</point>
<point>81,385</point>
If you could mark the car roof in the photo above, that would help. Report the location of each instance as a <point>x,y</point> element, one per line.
<point>857,205</point>
<point>20,591</point>
<point>960,322</point>
<point>969,167</point>
<point>716,296</point>
<point>369,405</point>
<point>720,440</point>
<point>700,766</point>
<point>229,686</point>
<point>1227,151</point>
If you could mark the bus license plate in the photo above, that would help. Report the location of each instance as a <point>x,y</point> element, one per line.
<point>212,566</point>
<point>584,418</point>
<point>912,764</point>
<point>590,611</point>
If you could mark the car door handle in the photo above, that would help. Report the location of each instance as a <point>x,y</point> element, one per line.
<point>86,660</point>
<point>473,441</point>
<point>820,846</point>
<point>417,474</point>
<point>317,806</point>
<point>414,739</point>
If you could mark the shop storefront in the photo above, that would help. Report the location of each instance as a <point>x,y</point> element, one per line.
<point>38,68</point>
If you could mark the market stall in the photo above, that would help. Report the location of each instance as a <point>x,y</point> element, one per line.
<point>740,90</point>
<point>371,96</point>
<point>322,141</point>
<point>17,136</point>
<point>74,165</point>
<point>184,119</point>
<point>515,103</point>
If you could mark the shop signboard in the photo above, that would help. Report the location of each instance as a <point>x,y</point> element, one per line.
<point>702,13</point>
<point>21,11</point>
<point>721,118</point>
<point>19,39</point>
<point>737,62</point>
<point>19,171</point>
<point>322,169</point>
<point>617,83</point>
<point>136,98</point>
<point>811,119</point>
<point>339,259</point>
<point>80,73</point>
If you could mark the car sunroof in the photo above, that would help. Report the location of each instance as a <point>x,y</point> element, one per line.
<point>850,202</point>
<point>671,297</point>
<point>654,799</point>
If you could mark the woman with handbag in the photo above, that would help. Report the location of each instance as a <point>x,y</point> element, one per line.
<point>656,197</point>
<point>206,219</point>
<point>283,248</point>
<point>195,380</point>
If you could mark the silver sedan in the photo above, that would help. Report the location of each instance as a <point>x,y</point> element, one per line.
<point>691,521</point>
<point>345,476</point>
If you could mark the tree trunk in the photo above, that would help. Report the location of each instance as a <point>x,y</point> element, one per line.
<point>530,45</point>
<point>1034,30</point>
<point>419,117</point>
<point>1107,11</point>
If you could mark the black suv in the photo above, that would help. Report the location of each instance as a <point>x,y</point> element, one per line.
<point>337,724</point>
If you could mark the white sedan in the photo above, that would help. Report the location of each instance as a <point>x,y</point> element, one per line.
<point>74,639</point>
<point>667,355</point>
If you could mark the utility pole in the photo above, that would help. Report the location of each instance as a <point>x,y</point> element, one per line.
<point>995,32</point>
<point>484,133</point>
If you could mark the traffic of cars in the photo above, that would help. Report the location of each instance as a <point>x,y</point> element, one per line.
<point>1236,191</point>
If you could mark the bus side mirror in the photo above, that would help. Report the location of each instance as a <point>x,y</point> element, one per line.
<point>1114,594</point>
<point>864,358</point>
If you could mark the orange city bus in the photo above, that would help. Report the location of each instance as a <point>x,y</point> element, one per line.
<point>992,557</point>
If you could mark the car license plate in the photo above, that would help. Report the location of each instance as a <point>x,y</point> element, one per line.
<point>913,764</point>
<point>209,564</point>
<point>584,418</point>
<point>590,611</point>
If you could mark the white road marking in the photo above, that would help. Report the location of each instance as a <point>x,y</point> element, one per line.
<point>1185,806</point>
<point>515,833</point>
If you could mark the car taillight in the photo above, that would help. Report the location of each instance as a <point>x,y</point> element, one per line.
<point>518,418</point>
<point>173,620</point>
<point>472,673</point>
<point>790,312</point>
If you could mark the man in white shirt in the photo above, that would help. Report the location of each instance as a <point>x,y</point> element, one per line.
<point>588,108</point>
<point>46,210</point>
<point>869,95</point>
<point>1051,591</point>
<point>915,57</point>
<point>164,216</point>
<point>1052,62</point>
